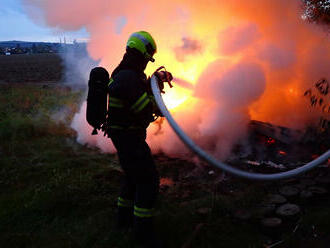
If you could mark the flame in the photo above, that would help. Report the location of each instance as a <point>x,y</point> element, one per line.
<point>166,181</point>
<point>282,153</point>
<point>188,70</point>
<point>174,99</point>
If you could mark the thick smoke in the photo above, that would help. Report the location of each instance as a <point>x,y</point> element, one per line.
<point>77,64</point>
<point>188,47</point>
<point>227,91</point>
<point>236,38</point>
<point>248,60</point>
<point>84,131</point>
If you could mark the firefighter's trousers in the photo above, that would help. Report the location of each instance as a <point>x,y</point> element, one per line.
<point>140,184</point>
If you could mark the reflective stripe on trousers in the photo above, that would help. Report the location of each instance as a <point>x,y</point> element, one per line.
<point>144,212</point>
<point>124,203</point>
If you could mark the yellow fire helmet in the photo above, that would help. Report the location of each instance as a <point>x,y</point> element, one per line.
<point>144,43</point>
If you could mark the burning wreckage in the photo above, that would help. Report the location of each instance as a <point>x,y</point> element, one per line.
<point>294,147</point>
<point>283,148</point>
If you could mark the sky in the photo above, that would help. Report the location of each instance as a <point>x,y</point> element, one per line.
<point>16,25</point>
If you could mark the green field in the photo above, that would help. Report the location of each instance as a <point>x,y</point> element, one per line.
<point>36,68</point>
<point>55,192</point>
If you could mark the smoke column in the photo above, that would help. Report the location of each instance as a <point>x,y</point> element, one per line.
<point>246,59</point>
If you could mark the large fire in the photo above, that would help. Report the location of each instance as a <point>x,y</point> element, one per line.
<point>244,59</point>
<point>189,71</point>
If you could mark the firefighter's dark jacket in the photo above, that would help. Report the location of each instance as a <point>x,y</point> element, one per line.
<point>131,105</point>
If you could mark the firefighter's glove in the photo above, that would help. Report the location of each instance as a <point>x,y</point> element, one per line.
<point>163,76</point>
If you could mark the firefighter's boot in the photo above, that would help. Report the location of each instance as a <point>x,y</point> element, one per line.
<point>124,219</point>
<point>144,233</point>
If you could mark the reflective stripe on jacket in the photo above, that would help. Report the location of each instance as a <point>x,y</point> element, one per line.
<point>130,105</point>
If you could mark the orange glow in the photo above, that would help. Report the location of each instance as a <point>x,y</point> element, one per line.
<point>188,70</point>
<point>166,181</point>
<point>282,153</point>
<point>175,98</point>
<point>294,91</point>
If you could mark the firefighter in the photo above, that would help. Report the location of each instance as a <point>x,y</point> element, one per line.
<point>131,110</point>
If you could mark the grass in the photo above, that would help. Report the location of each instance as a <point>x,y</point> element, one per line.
<point>35,68</point>
<point>57,193</point>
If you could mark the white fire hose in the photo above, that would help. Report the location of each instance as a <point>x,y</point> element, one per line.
<point>211,160</point>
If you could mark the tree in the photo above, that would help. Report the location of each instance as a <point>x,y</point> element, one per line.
<point>317,11</point>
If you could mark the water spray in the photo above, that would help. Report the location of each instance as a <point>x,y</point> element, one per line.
<point>183,83</point>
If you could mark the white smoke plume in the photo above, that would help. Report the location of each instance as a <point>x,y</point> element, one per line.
<point>247,60</point>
